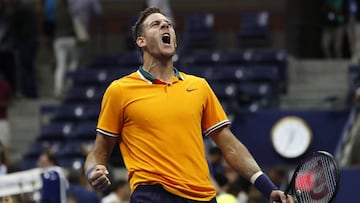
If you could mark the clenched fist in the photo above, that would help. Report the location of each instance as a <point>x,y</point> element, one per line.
<point>98,177</point>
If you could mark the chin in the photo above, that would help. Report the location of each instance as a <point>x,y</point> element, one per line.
<point>168,54</point>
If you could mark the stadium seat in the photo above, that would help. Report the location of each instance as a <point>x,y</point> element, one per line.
<point>85,131</point>
<point>28,163</point>
<point>254,30</point>
<point>90,94</point>
<point>236,57</point>
<point>76,112</point>
<point>37,147</point>
<point>201,71</point>
<point>202,57</point>
<point>240,73</point>
<point>71,148</point>
<point>129,59</point>
<point>55,131</point>
<point>103,61</point>
<point>76,163</point>
<point>88,77</point>
<point>256,89</point>
<point>114,61</point>
<point>128,35</point>
<point>224,91</point>
<point>269,56</point>
<point>198,33</point>
<point>257,95</point>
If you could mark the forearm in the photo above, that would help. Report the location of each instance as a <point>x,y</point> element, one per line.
<point>100,152</point>
<point>235,153</point>
<point>93,159</point>
<point>239,158</point>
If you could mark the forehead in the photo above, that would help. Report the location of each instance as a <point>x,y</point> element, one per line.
<point>155,17</point>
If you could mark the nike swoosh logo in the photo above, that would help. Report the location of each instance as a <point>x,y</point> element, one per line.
<point>190,90</point>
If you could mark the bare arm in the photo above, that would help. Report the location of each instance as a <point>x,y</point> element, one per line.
<point>235,153</point>
<point>96,161</point>
<point>239,158</point>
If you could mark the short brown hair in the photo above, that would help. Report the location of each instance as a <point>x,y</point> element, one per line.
<point>137,29</point>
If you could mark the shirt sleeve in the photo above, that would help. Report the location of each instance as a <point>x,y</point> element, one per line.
<point>214,116</point>
<point>110,120</point>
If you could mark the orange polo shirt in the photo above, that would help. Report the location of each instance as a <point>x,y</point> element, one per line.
<point>161,127</point>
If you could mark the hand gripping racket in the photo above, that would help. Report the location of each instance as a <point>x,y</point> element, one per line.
<point>315,180</point>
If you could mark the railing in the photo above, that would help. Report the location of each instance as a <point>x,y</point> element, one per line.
<point>349,136</point>
<point>30,184</point>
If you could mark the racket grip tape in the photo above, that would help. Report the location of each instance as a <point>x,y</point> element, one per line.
<point>264,185</point>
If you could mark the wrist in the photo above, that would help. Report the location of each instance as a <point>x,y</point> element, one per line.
<point>88,173</point>
<point>263,183</point>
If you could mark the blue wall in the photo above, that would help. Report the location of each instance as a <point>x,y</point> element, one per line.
<point>349,186</point>
<point>253,129</point>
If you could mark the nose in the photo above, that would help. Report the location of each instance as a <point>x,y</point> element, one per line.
<point>164,25</point>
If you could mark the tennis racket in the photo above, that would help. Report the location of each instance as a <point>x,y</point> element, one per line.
<point>315,180</point>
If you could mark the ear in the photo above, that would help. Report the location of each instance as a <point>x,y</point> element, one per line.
<point>141,42</point>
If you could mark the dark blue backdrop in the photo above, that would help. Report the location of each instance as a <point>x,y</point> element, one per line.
<point>253,129</point>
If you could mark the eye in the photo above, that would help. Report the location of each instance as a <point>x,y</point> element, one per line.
<point>154,24</point>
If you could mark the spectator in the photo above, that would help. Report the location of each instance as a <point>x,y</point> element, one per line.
<point>23,40</point>
<point>333,28</point>
<point>48,10</point>
<point>4,159</point>
<point>215,159</point>
<point>350,10</point>
<point>5,99</point>
<point>47,159</point>
<point>226,198</point>
<point>119,193</point>
<point>65,45</point>
<point>279,177</point>
<point>79,191</point>
<point>53,178</point>
<point>9,199</point>
<point>86,10</point>
<point>255,198</point>
<point>354,27</point>
<point>6,52</point>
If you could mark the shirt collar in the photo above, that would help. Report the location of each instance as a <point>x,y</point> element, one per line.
<point>152,79</point>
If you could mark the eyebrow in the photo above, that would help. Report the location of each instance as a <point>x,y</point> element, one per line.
<point>158,21</point>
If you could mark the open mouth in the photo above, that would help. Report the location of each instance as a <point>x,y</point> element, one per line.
<point>166,38</point>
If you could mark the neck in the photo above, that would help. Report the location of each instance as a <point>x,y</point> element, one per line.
<point>161,69</point>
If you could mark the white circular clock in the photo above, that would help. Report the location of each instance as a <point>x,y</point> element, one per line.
<point>291,137</point>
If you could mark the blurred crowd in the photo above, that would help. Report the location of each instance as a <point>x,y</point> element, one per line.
<point>20,31</point>
<point>341,29</point>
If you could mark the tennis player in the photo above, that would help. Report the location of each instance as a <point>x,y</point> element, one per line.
<point>158,116</point>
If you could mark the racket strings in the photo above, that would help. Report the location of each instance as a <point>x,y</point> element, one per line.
<point>316,180</point>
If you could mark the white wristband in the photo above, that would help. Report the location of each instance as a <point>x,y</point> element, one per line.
<point>255,176</point>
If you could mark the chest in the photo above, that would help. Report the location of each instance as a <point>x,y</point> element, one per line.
<point>165,103</point>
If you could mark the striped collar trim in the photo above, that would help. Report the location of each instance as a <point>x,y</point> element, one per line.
<point>145,75</point>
